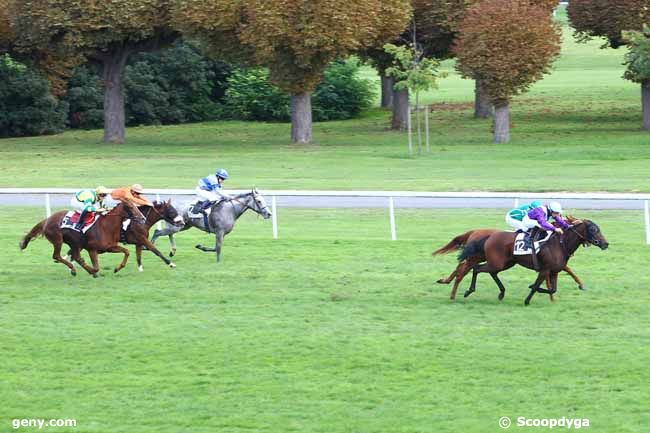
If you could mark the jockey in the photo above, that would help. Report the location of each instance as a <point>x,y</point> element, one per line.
<point>539,216</point>
<point>209,189</point>
<point>131,194</point>
<point>88,201</point>
<point>514,218</point>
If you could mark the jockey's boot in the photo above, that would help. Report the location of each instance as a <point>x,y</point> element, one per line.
<point>82,218</point>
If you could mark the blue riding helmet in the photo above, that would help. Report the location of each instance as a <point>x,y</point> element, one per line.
<point>222,173</point>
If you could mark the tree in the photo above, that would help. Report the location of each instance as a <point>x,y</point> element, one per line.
<point>508,45</point>
<point>88,30</point>
<point>611,20</point>
<point>608,19</point>
<point>638,66</point>
<point>296,40</point>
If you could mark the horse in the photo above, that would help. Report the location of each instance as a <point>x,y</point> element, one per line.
<point>104,236</point>
<point>221,220</point>
<point>138,234</point>
<point>459,242</point>
<point>553,255</point>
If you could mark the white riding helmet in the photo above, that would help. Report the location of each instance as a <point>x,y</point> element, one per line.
<point>555,207</point>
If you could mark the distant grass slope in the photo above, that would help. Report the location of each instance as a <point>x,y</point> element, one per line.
<point>578,130</point>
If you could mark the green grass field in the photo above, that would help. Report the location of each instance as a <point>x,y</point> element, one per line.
<point>576,130</point>
<point>331,328</point>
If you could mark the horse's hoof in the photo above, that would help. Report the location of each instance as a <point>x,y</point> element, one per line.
<point>140,269</point>
<point>73,273</point>
<point>95,275</point>
<point>501,296</point>
<point>467,293</point>
<point>199,246</point>
<point>172,265</point>
<point>172,253</point>
<point>442,281</point>
<point>116,270</point>
<point>583,288</point>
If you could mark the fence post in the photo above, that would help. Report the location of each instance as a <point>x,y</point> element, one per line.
<point>391,211</point>
<point>48,207</point>
<point>426,126</point>
<point>516,202</point>
<point>274,217</point>
<point>647,223</point>
<point>408,122</point>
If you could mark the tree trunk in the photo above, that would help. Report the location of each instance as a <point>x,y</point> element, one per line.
<point>113,74</point>
<point>502,124</point>
<point>400,109</point>
<point>387,90</point>
<point>483,108</point>
<point>645,102</point>
<point>301,118</point>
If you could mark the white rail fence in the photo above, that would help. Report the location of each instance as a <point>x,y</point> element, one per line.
<point>376,199</point>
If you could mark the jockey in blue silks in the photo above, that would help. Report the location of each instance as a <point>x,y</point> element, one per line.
<point>210,190</point>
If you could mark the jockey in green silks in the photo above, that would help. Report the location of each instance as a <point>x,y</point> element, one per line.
<point>88,201</point>
<point>514,217</point>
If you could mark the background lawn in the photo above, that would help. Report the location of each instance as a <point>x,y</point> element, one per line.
<point>577,130</point>
<point>331,328</point>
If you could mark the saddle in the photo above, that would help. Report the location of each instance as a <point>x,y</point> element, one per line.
<point>71,219</point>
<point>524,245</point>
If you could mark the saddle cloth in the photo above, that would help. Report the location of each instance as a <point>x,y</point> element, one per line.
<point>72,217</point>
<point>520,247</point>
<point>193,212</point>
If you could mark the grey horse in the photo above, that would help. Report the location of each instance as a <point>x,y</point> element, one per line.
<point>221,221</point>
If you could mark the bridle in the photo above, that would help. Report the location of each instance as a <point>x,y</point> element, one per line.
<point>247,206</point>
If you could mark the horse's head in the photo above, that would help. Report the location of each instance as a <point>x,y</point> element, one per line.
<point>128,210</point>
<point>168,212</point>
<point>591,234</point>
<point>259,204</point>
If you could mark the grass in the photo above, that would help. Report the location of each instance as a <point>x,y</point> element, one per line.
<point>331,328</point>
<point>576,130</point>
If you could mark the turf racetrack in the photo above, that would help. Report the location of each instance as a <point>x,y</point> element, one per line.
<point>331,328</point>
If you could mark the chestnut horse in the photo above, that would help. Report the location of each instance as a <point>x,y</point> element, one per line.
<point>459,242</point>
<point>553,255</point>
<point>104,236</point>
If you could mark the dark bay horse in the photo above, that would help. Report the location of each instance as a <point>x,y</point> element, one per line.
<point>104,236</point>
<point>138,234</point>
<point>221,220</point>
<point>466,265</point>
<point>553,255</point>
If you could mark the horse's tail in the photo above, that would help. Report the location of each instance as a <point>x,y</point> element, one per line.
<point>455,244</point>
<point>472,249</point>
<point>36,231</point>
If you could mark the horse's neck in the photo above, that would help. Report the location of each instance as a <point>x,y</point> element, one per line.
<point>152,217</point>
<point>240,205</point>
<point>573,241</point>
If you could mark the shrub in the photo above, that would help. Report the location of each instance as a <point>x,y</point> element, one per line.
<point>26,106</point>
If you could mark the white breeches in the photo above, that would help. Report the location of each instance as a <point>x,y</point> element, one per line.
<point>208,195</point>
<point>76,204</point>
<point>516,224</point>
<point>530,223</point>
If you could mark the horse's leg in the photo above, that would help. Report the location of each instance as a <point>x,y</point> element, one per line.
<point>472,286</point>
<point>451,276</point>
<point>151,247</point>
<point>548,287</point>
<point>172,242</point>
<point>502,288</point>
<point>168,231</point>
<point>138,256</point>
<point>217,245</point>
<point>119,249</point>
<point>535,286</point>
<point>576,278</point>
<point>461,270</point>
<point>95,261</point>
<point>56,255</point>
<point>76,255</point>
